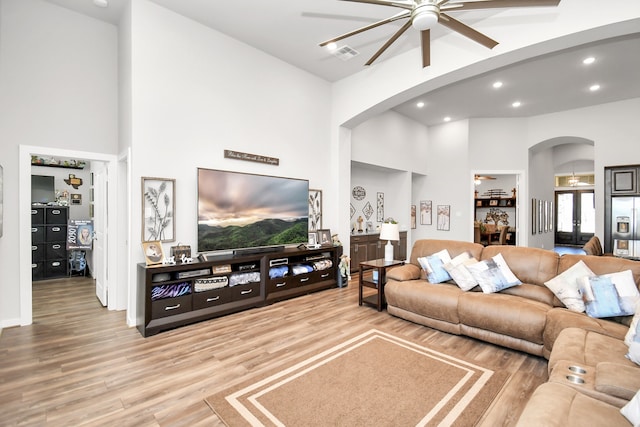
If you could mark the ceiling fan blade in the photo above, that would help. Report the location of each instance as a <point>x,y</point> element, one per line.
<point>389,42</point>
<point>405,4</point>
<point>426,48</point>
<point>401,15</point>
<point>466,31</point>
<point>491,4</point>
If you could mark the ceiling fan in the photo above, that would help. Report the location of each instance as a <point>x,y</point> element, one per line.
<point>477,179</point>
<point>424,14</point>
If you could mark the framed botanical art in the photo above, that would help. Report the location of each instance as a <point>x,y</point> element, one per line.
<point>315,209</point>
<point>444,217</point>
<point>158,209</point>
<point>425,212</point>
<point>380,207</point>
<point>413,217</point>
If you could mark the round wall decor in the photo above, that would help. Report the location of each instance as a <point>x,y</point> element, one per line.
<point>358,193</point>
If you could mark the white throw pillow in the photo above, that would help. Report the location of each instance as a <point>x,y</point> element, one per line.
<point>609,295</point>
<point>493,275</point>
<point>633,334</point>
<point>457,269</point>
<point>631,410</point>
<point>433,265</point>
<point>566,287</point>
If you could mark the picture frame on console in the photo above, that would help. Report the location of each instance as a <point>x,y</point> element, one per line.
<point>324,237</point>
<point>153,253</point>
<point>313,238</point>
<point>158,209</point>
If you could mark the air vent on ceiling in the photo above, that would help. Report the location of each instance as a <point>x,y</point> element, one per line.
<point>346,53</point>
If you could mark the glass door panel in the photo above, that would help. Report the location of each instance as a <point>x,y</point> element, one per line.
<point>575,217</point>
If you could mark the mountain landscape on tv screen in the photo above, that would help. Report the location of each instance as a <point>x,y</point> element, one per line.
<point>267,232</point>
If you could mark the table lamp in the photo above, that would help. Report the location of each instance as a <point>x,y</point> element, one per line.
<point>389,232</point>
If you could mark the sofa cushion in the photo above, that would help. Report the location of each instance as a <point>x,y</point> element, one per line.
<point>556,405</point>
<point>493,275</point>
<point>588,348</point>
<point>459,272</point>
<point>504,314</point>
<point>404,272</point>
<point>530,265</point>
<point>438,301</point>
<point>433,265</point>
<point>609,295</point>
<point>617,380</point>
<point>425,247</point>
<point>559,319</point>
<point>599,265</point>
<point>567,288</point>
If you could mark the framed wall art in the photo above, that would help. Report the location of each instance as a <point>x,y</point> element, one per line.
<point>324,237</point>
<point>380,207</point>
<point>153,253</point>
<point>158,209</point>
<point>444,217</point>
<point>413,217</point>
<point>315,209</point>
<point>425,212</point>
<point>313,238</point>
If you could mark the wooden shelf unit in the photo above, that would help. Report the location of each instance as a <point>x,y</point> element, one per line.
<point>159,314</point>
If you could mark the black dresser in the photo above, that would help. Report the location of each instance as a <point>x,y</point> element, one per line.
<point>49,257</point>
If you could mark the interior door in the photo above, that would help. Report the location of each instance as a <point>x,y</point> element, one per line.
<point>100,225</point>
<point>575,217</point>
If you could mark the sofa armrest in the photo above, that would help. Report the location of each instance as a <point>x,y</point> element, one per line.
<point>617,380</point>
<point>404,272</point>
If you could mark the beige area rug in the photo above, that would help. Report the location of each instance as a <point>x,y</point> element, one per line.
<point>375,378</point>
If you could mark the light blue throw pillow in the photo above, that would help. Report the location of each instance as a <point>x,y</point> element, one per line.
<point>433,265</point>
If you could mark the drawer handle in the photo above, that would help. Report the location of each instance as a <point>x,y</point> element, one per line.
<point>304,279</point>
<point>34,230</point>
<point>55,228</point>
<point>172,307</point>
<point>213,299</point>
<point>34,212</point>
<point>279,285</point>
<point>56,212</point>
<point>56,246</point>
<point>246,292</point>
<point>34,265</point>
<point>324,275</point>
<point>55,264</point>
<point>34,248</point>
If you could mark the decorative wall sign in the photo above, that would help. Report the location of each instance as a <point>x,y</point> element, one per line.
<point>79,234</point>
<point>73,181</point>
<point>425,212</point>
<point>444,217</point>
<point>76,198</point>
<point>367,210</point>
<point>358,193</point>
<point>380,207</point>
<point>315,209</point>
<point>158,209</point>
<point>248,157</point>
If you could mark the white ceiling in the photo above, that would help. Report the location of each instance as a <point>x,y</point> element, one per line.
<point>292,29</point>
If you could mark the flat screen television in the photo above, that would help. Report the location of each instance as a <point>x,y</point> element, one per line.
<point>43,189</point>
<point>241,211</point>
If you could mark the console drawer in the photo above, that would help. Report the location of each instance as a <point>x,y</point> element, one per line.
<point>170,306</point>
<point>211,298</point>
<point>37,234</point>
<point>241,292</point>
<point>280,284</point>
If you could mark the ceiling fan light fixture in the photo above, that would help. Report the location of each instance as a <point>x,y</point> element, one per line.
<point>424,16</point>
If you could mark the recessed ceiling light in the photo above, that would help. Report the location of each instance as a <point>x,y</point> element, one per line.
<point>588,60</point>
<point>594,88</point>
<point>516,104</point>
<point>101,3</point>
<point>497,85</point>
<point>447,119</point>
<point>332,46</point>
<point>420,104</point>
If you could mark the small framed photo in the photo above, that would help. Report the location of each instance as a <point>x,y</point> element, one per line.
<point>479,203</point>
<point>153,252</point>
<point>76,199</point>
<point>493,202</point>
<point>324,237</point>
<point>313,238</point>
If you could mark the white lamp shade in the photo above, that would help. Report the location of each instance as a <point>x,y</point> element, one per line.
<point>390,231</point>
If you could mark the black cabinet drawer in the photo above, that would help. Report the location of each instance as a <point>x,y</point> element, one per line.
<point>38,253</point>
<point>55,268</point>
<point>275,285</point>
<point>56,233</point>
<point>37,215</point>
<point>56,250</point>
<point>37,234</point>
<point>211,298</point>
<point>37,270</point>
<point>241,292</point>
<point>170,306</point>
<point>56,215</point>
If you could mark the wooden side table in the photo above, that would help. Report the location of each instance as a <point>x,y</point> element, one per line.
<point>380,266</point>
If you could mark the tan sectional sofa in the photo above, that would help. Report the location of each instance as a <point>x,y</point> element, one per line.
<point>529,318</point>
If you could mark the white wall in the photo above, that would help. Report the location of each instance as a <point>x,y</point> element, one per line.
<point>58,88</point>
<point>197,92</point>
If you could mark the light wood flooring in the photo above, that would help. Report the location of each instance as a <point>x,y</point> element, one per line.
<point>79,364</point>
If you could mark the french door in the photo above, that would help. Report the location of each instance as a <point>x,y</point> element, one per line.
<point>575,217</point>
